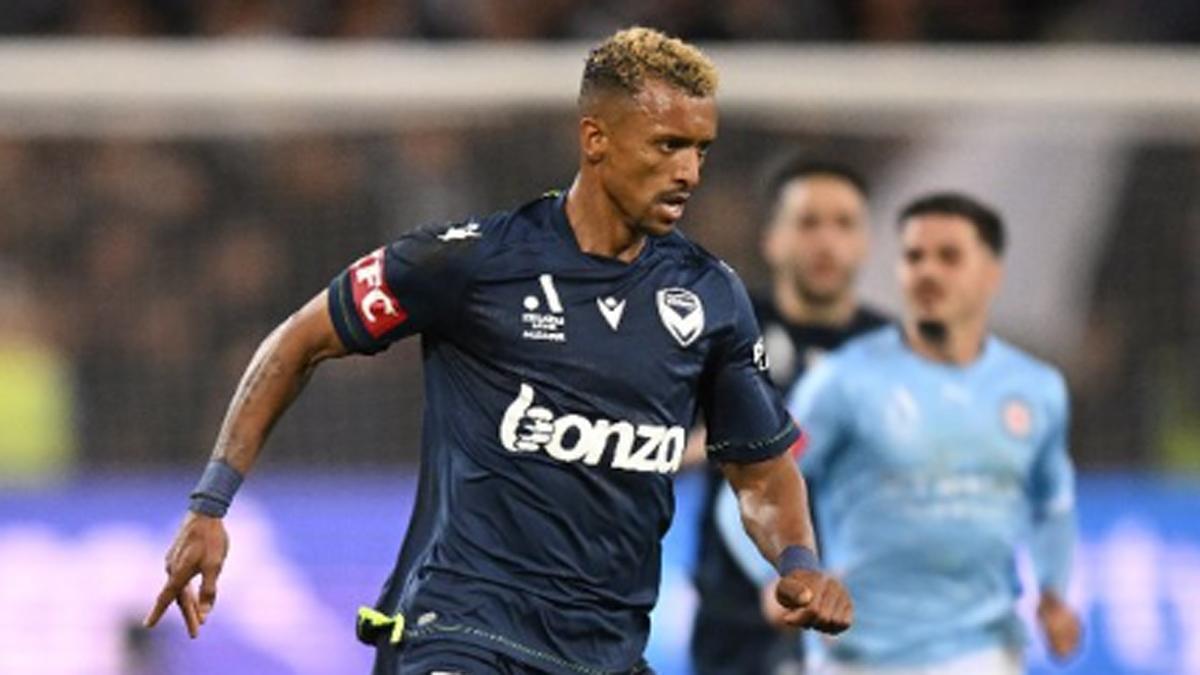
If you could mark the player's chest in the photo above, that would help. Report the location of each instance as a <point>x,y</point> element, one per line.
<point>639,329</point>
<point>948,425</point>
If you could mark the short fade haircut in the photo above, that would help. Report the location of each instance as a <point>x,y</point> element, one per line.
<point>798,167</point>
<point>628,58</point>
<point>986,220</point>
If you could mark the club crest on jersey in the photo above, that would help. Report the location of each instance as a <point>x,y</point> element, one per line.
<point>1017,418</point>
<point>682,314</point>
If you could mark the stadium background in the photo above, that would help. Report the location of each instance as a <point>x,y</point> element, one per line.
<point>175,177</point>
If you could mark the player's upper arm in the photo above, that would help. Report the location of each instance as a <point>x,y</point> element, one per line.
<point>412,285</point>
<point>818,405</point>
<point>1053,477</point>
<point>309,330</point>
<point>746,419</point>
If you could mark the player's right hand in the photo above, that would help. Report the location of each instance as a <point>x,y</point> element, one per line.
<point>199,549</point>
<point>1060,624</point>
<point>813,599</point>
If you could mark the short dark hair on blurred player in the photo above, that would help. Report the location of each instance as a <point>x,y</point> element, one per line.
<point>987,221</point>
<point>799,167</point>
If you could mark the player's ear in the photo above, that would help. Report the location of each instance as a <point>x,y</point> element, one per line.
<point>593,138</point>
<point>995,273</point>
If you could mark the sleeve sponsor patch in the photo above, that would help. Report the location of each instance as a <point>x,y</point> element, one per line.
<point>374,302</point>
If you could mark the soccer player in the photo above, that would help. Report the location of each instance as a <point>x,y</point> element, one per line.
<point>934,448</point>
<point>568,345</point>
<point>814,242</point>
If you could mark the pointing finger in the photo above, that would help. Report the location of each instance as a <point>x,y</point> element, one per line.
<point>187,606</point>
<point>160,605</point>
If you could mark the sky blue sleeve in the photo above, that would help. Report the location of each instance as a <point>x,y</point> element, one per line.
<point>737,542</point>
<point>817,405</point>
<point>1052,492</point>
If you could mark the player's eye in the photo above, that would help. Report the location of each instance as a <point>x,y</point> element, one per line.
<point>670,146</point>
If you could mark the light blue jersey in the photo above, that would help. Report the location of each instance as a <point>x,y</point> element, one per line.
<point>926,478</point>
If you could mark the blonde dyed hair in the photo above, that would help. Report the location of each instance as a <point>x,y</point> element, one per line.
<point>628,58</point>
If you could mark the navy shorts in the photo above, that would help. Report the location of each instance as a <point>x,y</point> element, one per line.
<point>451,657</point>
<point>448,657</point>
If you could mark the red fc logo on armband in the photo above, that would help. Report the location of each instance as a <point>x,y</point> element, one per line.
<point>377,307</point>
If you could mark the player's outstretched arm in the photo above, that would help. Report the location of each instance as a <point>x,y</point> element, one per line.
<point>774,507</point>
<point>277,373</point>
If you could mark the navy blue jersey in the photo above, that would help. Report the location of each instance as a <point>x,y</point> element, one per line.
<point>559,388</point>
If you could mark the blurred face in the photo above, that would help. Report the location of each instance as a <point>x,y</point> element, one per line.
<point>818,237</point>
<point>648,151</point>
<point>947,273</point>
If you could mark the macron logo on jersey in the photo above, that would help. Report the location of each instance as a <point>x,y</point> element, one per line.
<point>648,448</point>
<point>377,307</point>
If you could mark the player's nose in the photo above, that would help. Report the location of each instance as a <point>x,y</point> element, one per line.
<point>687,169</point>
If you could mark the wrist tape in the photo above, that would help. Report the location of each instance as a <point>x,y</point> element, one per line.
<point>796,557</point>
<point>214,493</point>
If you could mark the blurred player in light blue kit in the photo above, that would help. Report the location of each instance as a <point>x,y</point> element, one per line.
<point>934,450</point>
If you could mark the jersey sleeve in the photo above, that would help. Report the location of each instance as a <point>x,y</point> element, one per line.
<point>746,419</point>
<point>1053,478</point>
<point>413,285</point>
<point>817,404</point>
<point>1052,492</point>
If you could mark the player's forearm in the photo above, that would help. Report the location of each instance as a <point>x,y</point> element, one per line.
<point>773,502</point>
<point>274,378</point>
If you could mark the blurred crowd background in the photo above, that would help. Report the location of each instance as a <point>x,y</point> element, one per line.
<point>139,272</point>
<point>789,20</point>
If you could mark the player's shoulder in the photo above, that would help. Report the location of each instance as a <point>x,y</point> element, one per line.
<point>478,237</point>
<point>867,318</point>
<point>864,354</point>
<point>680,250</point>
<point>719,275</point>
<point>872,346</point>
<point>1040,374</point>
<point>465,233</point>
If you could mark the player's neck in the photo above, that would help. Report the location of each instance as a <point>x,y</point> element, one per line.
<point>958,345</point>
<point>798,310</point>
<point>599,227</point>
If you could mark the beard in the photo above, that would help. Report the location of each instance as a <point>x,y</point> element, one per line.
<point>933,330</point>
<point>820,297</point>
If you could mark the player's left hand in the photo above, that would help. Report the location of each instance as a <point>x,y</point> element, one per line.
<point>813,599</point>
<point>1060,624</point>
